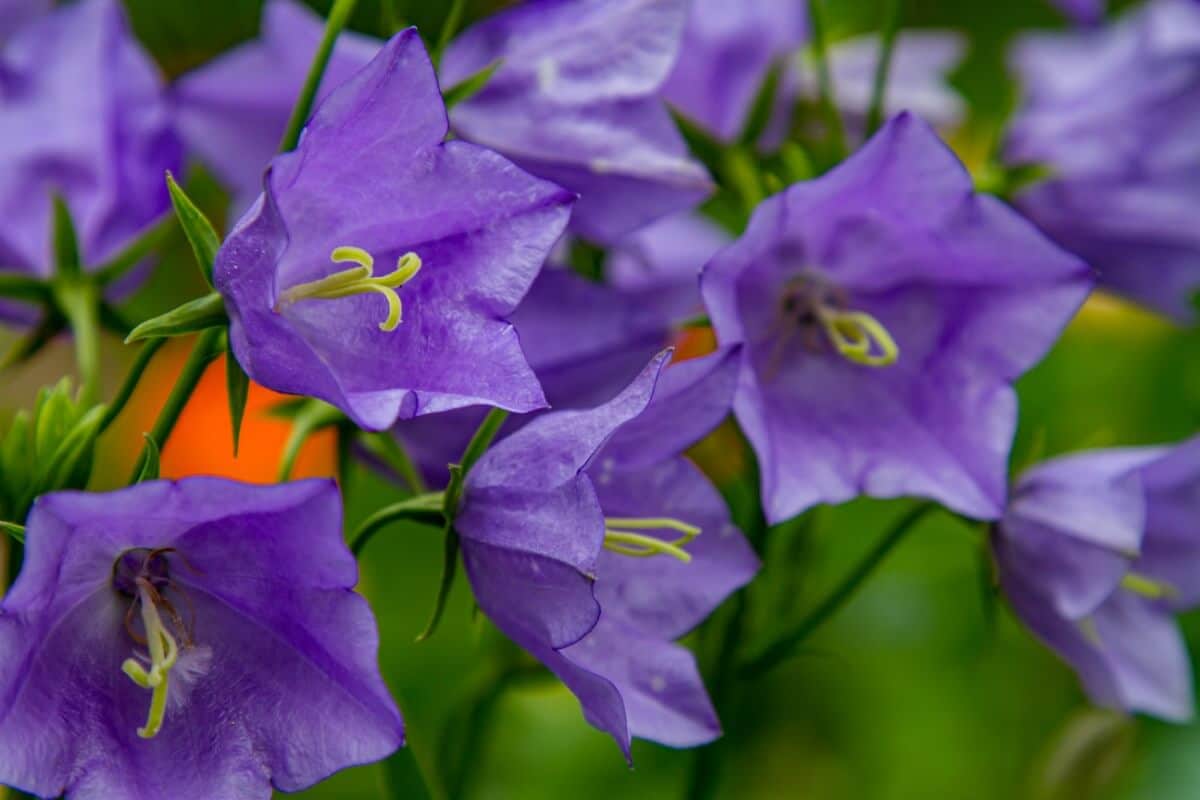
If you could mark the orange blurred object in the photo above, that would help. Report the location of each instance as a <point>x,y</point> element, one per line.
<point>202,443</point>
<point>694,342</point>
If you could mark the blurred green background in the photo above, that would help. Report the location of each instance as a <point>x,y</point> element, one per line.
<point>923,686</point>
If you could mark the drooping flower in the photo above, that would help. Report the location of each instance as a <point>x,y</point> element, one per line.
<point>1096,552</point>
<point>575,100</point>
<point>594,545</point>
<point>84,116</point>
<point>190,640</point>
<point>459,234</point>
<point>1114,114</point>
<point>885,310</point>
<point>232,112</point>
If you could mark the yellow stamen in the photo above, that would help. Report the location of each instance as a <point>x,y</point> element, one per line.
<point>631,543</point>
<point>1147,587</point>
<point>164,653</point>
<point>859,337</point>
<point>357,280</point>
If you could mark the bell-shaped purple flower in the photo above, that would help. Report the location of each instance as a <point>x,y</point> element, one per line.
<point>232,112</point>
<point>194,640</point>
<point>433,244</point>
<point>575,100</point>
<point>602,497</point>
<point>1096,552</point>
<point>15,13</point>
<point>1114,114</point>
<point>885,310</point>
<point>83,115</point>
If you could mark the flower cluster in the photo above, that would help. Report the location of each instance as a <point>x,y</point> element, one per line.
<point>533,272</point>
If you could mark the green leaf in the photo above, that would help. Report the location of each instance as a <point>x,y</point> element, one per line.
<point>150,465</point>
<point>237,389</point>
<point>66,243</point>
<point>23,287</point>
<point>71,464</point>
<point>194,315</point>
<point>402,777</point>
<point>14,530</point>
<point>469,86</point>
<point>763,105</point>
<point>449,569</point>
<point>52,415</point>
<point>199,231</point>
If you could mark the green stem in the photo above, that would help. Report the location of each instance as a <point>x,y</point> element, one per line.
<point>482,439</point>
<point>134,376</point>
<point>79,301</point>
<point>781,647</point>
<point>338,16</point>
<point>837,133</point>
<point>207,348</point>
<point>383,445</point>
<point>891,24</point>
<point>421,508</point>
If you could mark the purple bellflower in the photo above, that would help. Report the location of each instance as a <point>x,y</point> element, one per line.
<point>1097,552</point>
<point>1114,114</point>
<point>193,640</point>
<point>885,310</point>
<point>84,115</point>
<point>594,545</point>
<point>1083,12</point>
<point>232,112</point>
<point>15,13</point>
<point>374,180</point>
<point>575,100</point>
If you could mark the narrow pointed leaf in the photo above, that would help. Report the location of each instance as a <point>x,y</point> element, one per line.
<point>194,315</point>
<point>16,286</point>
<point>199,231</point>
<point>471,85</point>
<point>150,466</point>
<point>237,386</point>
<point>66,243</point>
<point>763,105</point>
<point>17,532</point>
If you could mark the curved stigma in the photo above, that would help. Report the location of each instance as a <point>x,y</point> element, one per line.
<point>358,280</point>
<point>619,538</point>
<point>164,652</point>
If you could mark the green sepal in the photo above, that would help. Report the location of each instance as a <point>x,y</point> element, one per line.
<point>194,315</point>
<point>200,233</point>
<point>17,532</point>
<point>71,465</point>
<point>312,416</point>
<point>700,142</point>
<point>763,105</point>
<point>237,389</point>
<point>797,164</point>
<point>66,242</point>
<point>403,778</point>
<point>471,85</point>
<point>16,286</point>
<point>150,466</point>
<point>134,252</point>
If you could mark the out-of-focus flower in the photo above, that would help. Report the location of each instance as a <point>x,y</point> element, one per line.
<point>576,100</point>
<point>15,13</point>
<point>83,115</point>
<point>602,495</point>
<point>885,310</point>
<point>190,640</point>
<point>458,232</point>
<point>232,112</point>
<point>1114,114</point>
<point>666,258</point>
<point>1083,12</point>
<point>1097,552</point>
<point>727,50</point>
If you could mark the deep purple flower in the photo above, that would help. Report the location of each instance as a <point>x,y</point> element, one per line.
<point>232,111</point>
<point>575,100</point>
<point>575,497</point>
<point>726,53</point>
<point>83,115</point>
<point>885,311</point>
<point>193,640</point>
<point>1083,12</point>
<point>1114,114</point>
<point>1096,552</point>
<point>373,182</point>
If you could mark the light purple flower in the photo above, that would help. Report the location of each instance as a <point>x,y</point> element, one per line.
<point>15,13</point>
<point>575,100</point>
<point>232,112</point>
<point>83,115</point>
<point>665,258</point>
<point>727,51</point>
<point>885,310</point>
<point>1096,552</point>
<point>267,666</point>
<point>458,233</point>
<point>1114,114</point>
<point>543,516</point>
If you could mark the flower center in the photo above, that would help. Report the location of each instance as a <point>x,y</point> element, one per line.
<point>143,575</point>
<point>357,280</point>
<point>623,535</point>
<point>817,308</point>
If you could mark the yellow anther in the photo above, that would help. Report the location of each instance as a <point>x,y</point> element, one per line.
<point>859,337</point>
<point>357,280</point>
<point>631,543</point>
<point>1147,587</point>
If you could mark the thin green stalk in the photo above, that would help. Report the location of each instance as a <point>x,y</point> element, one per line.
<point>833,118</point>
<point>79,301</point>
<point>383,445</point>
<point>781,647</point>
<point>449,28</point>
<point>338,16</point>
<point>207,348</point>
<point>891,25</point>
<point>140,363</point>
<point>422,508</point>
